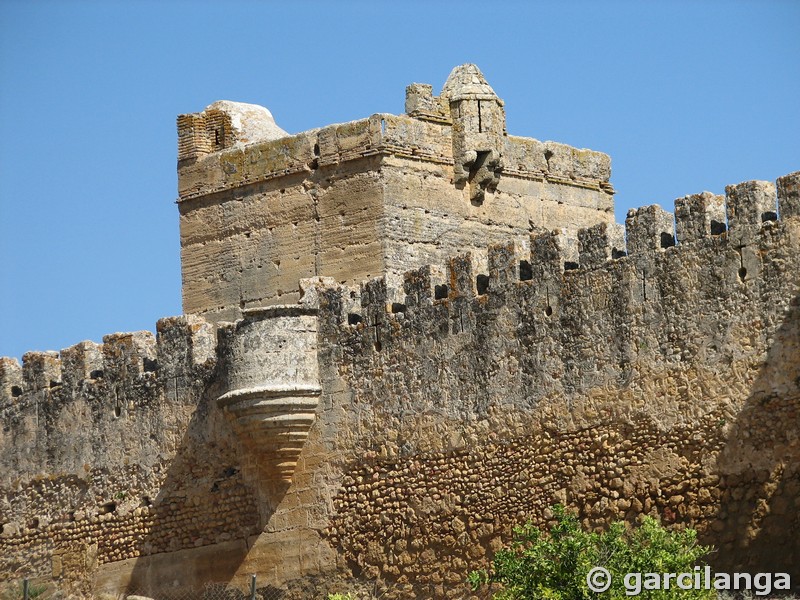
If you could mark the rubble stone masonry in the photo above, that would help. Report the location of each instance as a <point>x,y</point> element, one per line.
<point>357,432</point>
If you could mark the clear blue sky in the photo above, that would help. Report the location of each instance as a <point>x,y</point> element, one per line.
<point>684,96</point>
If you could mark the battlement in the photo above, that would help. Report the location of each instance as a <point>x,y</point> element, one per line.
<point>251,149</point>
<point>736,230</point>
<point>121,362</point>
<point>232,166</point>
<point>736,236</point>
<point>653,334</point>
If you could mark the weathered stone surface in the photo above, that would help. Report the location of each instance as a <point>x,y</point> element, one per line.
<point>698,216</point>
<point>271,380</point>
<point>224,124</point>
<point>378,196</point>
<point>749,204</point>
<point>250,122</point>
<point>789,195</point>
<point>439,404</point>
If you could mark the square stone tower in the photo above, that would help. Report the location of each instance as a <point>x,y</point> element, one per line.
<point>261,209</point>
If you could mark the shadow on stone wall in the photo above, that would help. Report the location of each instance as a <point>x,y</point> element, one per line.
<point>757,528</point>
<point>202,523</point>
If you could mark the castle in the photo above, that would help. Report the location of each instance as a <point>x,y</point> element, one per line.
<point>404,335</point>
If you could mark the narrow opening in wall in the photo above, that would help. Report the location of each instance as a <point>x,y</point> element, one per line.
<point>480,118</point>
<point>769,216</point>
<point>378,345</point>
<point>667,240</point>
<point>570,265</point>
<point>644,285</point>
<point>547,156</point>
<point>117,411</point>
<point>149,365</point>
<point>742,273</point>
<point>675,240</point>
<point>482,283</point>
<point>217,137</point>
<point>548,311</point>
<point>717,227</point>
<point>316,149</point>
<point>16,391</point>
<point>440,292</point>
<point>96,374</point>
<point>615,253</point>
<point>525,271</point>
<point>108,507</point>
<point>354,319</point>
<point>398,307</point>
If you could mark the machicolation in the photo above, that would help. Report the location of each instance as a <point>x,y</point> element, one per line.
<point>404,335</point>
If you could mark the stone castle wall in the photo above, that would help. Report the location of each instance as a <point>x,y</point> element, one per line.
<point>111,452</point>
<point>664,382</point>
<point>654,372</point>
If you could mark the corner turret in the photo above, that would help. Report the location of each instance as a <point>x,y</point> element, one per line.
<point>479,126</point>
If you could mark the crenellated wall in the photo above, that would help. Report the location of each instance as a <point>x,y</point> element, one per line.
<point>114,451</point>
<point>663,381</point>
<point>404,335</point>
<point>395,436</point>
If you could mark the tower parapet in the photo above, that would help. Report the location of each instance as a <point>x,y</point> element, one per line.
<point>377,196</point>
<point>224,124</point>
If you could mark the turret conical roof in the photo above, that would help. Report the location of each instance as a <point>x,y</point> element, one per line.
<point>466,82</point>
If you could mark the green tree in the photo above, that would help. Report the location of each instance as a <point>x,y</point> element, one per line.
<point>555,565</point>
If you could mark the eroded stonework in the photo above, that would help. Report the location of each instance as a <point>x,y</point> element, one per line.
<point>374,197</point>
<point>388,433</point>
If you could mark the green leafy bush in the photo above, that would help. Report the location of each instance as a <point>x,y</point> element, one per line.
<point>554,566</point>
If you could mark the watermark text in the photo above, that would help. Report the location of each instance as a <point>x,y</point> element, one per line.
<point>600,580</point>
